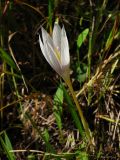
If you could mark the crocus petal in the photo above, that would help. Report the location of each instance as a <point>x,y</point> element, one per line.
<point>53,61</point>
<point>41,45</point>
<point>46,37</point>
<point>57,37</point>
<point>47,52</point>
<point>44,50</point>
<point>65,57</point>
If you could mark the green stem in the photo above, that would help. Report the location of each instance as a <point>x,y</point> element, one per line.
<point>84,122</point>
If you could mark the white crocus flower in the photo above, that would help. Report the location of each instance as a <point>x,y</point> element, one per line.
<point>55,49</point>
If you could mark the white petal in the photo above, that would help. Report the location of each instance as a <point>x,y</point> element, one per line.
<point>46,37</point>
<point>42,47</point>
<point>41,44</point>
<point>44,50</point>
<point>48,51</point>
<point>65,56</point>
<point>57,36</point>
<point>53,61</point>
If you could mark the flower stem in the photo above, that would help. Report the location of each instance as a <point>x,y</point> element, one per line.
<point>84,122</point>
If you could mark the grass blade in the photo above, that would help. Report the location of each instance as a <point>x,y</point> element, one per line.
<point>7,146</point>
<point>42,135</point>
<point>7,58</point>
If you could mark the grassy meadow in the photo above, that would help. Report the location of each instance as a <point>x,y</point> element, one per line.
<point>42,117</point>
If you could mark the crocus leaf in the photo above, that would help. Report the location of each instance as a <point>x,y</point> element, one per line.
<point>82,36</point>
<point>58,101</point>
<point>46,135</point>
